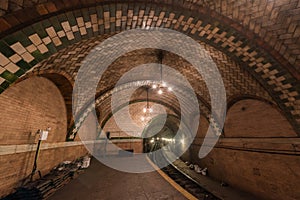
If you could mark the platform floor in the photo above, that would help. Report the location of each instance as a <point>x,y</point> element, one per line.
<point>102,182</point>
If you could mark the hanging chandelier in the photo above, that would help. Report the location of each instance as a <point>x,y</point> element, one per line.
<point>147,110</point>
<point>161,86</point>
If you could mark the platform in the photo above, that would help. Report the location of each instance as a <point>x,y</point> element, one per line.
<point>102,182</point>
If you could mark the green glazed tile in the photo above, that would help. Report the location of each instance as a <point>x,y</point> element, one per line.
<point>130,7</point>
<point>40,30</point>
<point>4,85</point>
<point>20,72</point>
<point>23,65</point>
<point>56,24</point>
<point>100,12</point>
<point>157,11</point>
<point>37,55</point>
<point>86,15</point>
<point>65,41</point>
<point>10,77</point>
<point>119,6</point>
<point>105,8</point>
<point>77,13</point>
<point>147,10</point>
<point>92,11</point>
<point>112,27</point>
<point>11,39</point>
<point>28,31</point>
<point>77,36</point>
<point>124,8</point>
<point>5,49</point>
<point>112,10</point>
<point>62,18</point>
<point>33,63</point>
<point>101,29</point>
<point>46,23</point>
<point>47,55</point>
<point>136,10</point>
<point>51,47</point>
<point>23,39</point>
<point>71,19</point>
<point>90,32</point>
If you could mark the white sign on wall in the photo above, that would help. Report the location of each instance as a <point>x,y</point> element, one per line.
<point>44,135</point>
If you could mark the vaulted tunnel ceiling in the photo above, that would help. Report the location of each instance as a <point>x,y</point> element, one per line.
<point>255,44</point>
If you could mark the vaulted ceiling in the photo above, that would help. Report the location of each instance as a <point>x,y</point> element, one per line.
<point>254,43</point>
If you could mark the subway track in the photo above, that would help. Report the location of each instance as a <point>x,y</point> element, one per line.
<point>181,179</point>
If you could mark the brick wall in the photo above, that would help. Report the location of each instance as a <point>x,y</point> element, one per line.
<point>33,104</point>
<point>30,105</point>
<point>253,118</point>
<point>137,146</point>
<point>266,167</point>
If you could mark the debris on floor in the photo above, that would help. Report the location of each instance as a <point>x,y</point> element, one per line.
<point>223,184</point>
<point>204,171</point>
<point>197,168</point>
<point>48,184</point>
<point>86,162</point>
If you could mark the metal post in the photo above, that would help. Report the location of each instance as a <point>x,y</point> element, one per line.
<point>35,161</point>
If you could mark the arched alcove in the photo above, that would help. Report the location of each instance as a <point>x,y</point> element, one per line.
<point>256,118</point>
<point>33,104</point>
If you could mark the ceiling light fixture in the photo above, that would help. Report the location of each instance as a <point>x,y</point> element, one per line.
<point>161,86</point>
<point>147,110</point>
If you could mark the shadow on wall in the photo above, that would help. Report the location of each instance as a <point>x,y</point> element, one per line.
<point>258,154</point>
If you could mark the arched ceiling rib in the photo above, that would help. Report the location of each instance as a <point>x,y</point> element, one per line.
<point>225,28</point>
<point>236,79</point>
<point>276,22</point>
<point>136,113</point>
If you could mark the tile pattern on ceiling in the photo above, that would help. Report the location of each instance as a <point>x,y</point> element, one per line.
<point>104,104</point>
<point>276,22</point>
<point>22,50</point>
<point>236,79</point>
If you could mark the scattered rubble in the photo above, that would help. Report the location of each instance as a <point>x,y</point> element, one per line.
<point>48,184</point>
<point>197,168</point>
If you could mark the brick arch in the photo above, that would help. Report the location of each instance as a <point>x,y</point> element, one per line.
<point>63,81</point>
<point>44,38</point>
<point>37,104</point>
<point>171,121</point>
<point>254,18</point>
<point>257,118</point>
<point>204,107</point>
<point>104,99</point>
<point>237,98</point>
<point>110,114</point>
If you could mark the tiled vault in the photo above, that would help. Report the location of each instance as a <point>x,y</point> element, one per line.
<point>253,44</point>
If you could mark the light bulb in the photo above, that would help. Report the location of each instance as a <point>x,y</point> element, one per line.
<point>154,86</point>
<point>144,110</point>
<point>160,91</point>
<point>164,84</point>
<point>170,89</point>
<point>143,118</point>
<point>150,110</point>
